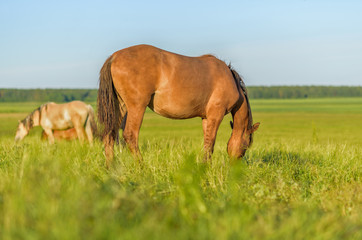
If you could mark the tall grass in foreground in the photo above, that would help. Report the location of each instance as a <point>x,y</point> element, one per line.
<point>294,191</point>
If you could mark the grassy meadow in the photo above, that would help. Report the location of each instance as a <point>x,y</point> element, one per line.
<point>302,179</point>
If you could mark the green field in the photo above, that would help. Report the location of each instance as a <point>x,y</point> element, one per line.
<point>302,179</point>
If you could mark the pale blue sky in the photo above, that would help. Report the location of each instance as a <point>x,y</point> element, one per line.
<point>53,44</point>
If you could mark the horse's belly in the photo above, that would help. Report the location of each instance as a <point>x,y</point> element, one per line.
<point>177,108</point>
<point>171,113</point>
<point>63,125</point>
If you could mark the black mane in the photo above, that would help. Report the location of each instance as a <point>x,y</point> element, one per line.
<point>28,121</point>
<point>239,82</point>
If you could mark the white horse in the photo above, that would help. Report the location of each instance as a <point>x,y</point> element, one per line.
<point>52,116</point>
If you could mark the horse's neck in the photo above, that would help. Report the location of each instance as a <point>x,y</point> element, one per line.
<point>36,118</point>
<point>240,125</point>
<point>241,119</point>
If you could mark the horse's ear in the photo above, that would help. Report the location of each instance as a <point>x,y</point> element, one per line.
<point>231,125</point>
<point>255,127</point>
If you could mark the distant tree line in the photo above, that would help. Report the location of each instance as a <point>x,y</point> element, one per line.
<point>304,92</point>
<point>47,95</point>
<point>90,95</point>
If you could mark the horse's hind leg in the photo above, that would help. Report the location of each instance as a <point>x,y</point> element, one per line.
<point>79,128</point>
<point>112,137</point>
<point>123,125</point>
<point>132,128</point>
<point>80,132</point>
<point>88,131</point>
<point>108,141</point>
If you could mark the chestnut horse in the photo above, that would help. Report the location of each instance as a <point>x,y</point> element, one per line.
<point>173,86</point>
<point>52,116</point>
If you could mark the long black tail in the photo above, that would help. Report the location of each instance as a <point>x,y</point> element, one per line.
<point>108,105</point>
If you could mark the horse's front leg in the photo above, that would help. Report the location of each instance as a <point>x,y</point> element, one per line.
<point>210,125</point>
<point>49,133</point>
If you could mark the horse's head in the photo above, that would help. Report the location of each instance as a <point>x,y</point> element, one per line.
<point>26,124</point>
<point>22,131</point>
<point>242,135</point>
<point>237,146</point>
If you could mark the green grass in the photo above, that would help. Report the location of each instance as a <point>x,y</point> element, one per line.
<point>322,105</point>
<point>300,180</point>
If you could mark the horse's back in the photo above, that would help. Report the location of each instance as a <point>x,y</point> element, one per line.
<point>152,65</point>
<point>78,104</point>
<point>65,115</point>
<point>73,107</point>
<point>173,85</point>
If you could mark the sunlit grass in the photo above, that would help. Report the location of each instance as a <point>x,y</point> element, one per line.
<point>300,180</point>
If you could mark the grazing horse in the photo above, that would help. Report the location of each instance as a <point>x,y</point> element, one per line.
<point>69,134</point>
<point>52,116</point>
<point>173,86</point>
